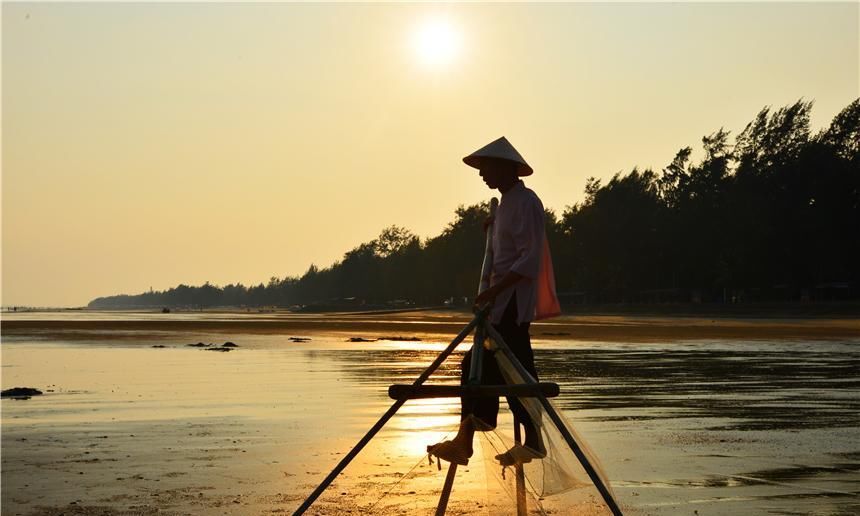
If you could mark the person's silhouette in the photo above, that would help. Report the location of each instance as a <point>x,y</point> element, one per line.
<point>522,289</point>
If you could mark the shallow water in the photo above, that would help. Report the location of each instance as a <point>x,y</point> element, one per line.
<point>718,427</point>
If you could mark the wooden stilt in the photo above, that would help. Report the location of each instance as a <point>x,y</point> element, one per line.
<point>522,507</point>
<point>446,489</point>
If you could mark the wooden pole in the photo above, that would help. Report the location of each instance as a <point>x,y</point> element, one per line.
<point>476,367</point>
<point>522,508</point>
<point>446,489</point>
<point>487,264</point>
<point>397,391</point>
<point>559,424</point>
<point>384,419</point>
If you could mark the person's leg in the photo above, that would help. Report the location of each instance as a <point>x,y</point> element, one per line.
<point>484,409</point>
<point>517,338</point>
<point>476,414</point>
<point>533,437</point>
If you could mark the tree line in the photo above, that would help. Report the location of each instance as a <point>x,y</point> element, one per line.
<point>772,214</point>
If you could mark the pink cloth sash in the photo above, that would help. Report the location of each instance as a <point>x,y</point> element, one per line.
<point>546,303</point>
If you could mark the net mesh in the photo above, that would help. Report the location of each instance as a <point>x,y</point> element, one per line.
<point>561,470</point>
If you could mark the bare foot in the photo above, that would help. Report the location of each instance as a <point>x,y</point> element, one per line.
<point>451,451</point>
<point>519,454</point>
<point>535,444</point>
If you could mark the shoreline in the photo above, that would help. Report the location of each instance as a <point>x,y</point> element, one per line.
<point>783,309</point>
<point>440,324</point>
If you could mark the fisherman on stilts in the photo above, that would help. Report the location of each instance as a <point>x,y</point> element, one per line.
<point>522,290</point>
<point>517,287</point>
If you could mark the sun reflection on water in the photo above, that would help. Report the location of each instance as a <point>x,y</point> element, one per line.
<point>423,422</point>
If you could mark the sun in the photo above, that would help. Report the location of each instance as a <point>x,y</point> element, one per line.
<point>437,42</point>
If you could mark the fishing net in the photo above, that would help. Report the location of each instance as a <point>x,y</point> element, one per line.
<point>394,476</point>
<point>559,482</point>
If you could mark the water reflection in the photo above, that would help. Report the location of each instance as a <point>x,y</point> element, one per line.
<point>745,388</point>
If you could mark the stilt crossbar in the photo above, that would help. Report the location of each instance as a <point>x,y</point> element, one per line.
<point>411,392</point>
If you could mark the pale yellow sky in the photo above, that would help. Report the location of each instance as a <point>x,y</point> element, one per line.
<point>154,144</point>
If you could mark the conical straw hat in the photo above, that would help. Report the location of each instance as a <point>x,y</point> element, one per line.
<point>499,149</point>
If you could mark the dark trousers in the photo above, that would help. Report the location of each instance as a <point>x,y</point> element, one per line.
<point>517,338</point>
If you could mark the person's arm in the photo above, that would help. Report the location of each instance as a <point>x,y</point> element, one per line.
<point>526,233</point>
<point>490,294</point>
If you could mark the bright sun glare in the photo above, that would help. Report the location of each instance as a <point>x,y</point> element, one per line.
<point>437,42</point>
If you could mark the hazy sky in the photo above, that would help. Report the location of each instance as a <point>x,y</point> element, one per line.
<point>147,145</point>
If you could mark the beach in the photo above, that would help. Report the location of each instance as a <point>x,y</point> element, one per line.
<point>439,324</point>
<point>718,416</point>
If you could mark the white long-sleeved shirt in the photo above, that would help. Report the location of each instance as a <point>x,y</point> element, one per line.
<point>519,245</point>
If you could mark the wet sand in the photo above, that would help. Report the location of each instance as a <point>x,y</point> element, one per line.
<point>758,425</point>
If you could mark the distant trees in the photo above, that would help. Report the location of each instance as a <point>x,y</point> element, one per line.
<point>610,233</point>
<point>773,215</point>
